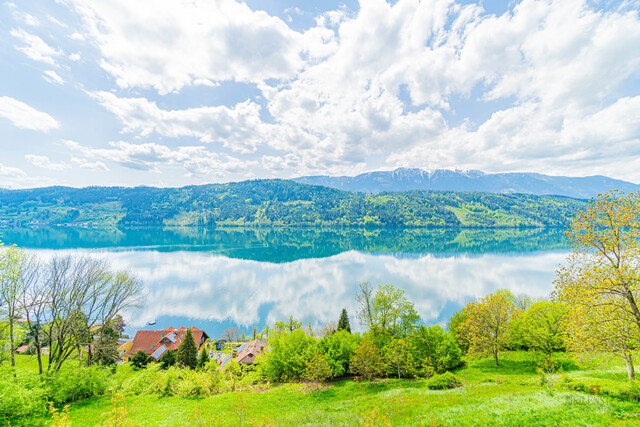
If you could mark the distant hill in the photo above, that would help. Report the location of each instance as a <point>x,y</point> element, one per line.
<point>277,203</point>
<point>404,179</point>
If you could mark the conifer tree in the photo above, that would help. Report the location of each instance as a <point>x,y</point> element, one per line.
<point>343,323</point>
<point>203,359</point>
<point>188,351</point>
<point>168,359</point>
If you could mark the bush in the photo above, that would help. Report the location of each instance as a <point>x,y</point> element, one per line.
<point>21,396</point>
<point>436,348</point>
<point>197,383</point>
<point>142,382</point>
<point>71,384</point>
<point>443,381</point>
<point>287,356</point>
<point>140,360</point>
<point>338,348</point>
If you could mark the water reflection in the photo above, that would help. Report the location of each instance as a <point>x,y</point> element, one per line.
<point>290,244</point>
<point>212,291</point>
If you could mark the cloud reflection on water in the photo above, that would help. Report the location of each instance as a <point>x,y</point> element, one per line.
<point>207,289</point>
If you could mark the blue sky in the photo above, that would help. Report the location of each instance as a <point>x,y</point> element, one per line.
<point>170,93</point>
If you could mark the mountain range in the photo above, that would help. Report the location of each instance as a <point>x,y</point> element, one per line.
<point>404,179</point>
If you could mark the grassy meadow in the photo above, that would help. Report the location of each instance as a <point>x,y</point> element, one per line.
<point>511,394</point>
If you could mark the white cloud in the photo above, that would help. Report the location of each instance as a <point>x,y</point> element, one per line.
<point>168,45</point>
<point>52,77</point>
<point>75,57</point>
<point>8,171</point>
<point>93,166</point>
<point>549,83</point>
<point>34,47</point>
<point>45,163</point>
<point>23,116</point>
<point>239,128</point>
<point>55,21</point>
<point>26,18</point>
<point>196,161</point>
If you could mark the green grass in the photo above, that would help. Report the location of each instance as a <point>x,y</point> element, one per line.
<point>507,395</point>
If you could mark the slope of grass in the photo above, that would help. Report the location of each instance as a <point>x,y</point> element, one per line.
<point>508,395</point>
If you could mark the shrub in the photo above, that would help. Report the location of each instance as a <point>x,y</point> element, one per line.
<point>71,384</point>
<point>139,360</point>
<point>288,355</point>
<point>338,348</point>
<point>142,382</point>
<point>21,396</point>
<point>197,383</point>
<point>168,359</point>
<point>367,360</point>
<point>443,381</point>
<point>436,348</point>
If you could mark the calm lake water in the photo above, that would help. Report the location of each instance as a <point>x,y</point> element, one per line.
<point>213,279</point>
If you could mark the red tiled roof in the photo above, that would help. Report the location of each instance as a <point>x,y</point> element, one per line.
<point>249,351</point>
<point>22,349</point>
<point>150,341</point>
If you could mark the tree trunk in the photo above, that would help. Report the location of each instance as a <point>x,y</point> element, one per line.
<point>631,373</point>
<point>495,356</point>
<point>13,344</point>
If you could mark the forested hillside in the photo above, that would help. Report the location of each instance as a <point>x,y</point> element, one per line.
<point>277,203</point>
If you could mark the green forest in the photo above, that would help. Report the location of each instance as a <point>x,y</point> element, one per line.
<point>278,203</point>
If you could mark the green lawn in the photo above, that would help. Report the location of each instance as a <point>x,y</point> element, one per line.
<point>508,395</point>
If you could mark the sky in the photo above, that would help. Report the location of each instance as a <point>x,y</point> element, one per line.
<point>173,92</point>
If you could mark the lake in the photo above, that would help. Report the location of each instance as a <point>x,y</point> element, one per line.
<point>216,278</point>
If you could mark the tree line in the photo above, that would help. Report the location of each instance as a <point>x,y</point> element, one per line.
<point>71,305</point>
<point>280,203</point>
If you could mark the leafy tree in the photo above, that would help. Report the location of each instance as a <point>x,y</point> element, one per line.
<point>338,348</point>
<point>168,359</point>
<point>343,322</point>
<point>203,359</point>
<point>398,357</point>
<point>290,325</point>
<point>140,360</point>
<point>600,285</point>
<point>435,348</point>
<point>604,267</point>
<point>367,360</point>
<point>187,352</point>
<point>288,355</point>
<point>17,270</point>
<point>488,323</point>
<point>388,312</point>
<point>317,369</point>
<point>542,326</point>
<point>455,328</point>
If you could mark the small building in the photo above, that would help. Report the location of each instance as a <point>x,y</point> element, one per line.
<point>123,348</point>
<point>247,352</point>
<point>156,343</point>
<point>23,349</point>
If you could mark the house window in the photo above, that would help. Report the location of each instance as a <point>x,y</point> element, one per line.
<point>152,345</point>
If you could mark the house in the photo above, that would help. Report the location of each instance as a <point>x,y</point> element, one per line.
<point>156,343</point>
<point>23,349</point>
<point>247,352</point>
<point>123,348</point>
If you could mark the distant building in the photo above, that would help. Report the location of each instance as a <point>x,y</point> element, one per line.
<point>247,352</point>
<point>123,348</point>
<point>156,343</point>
